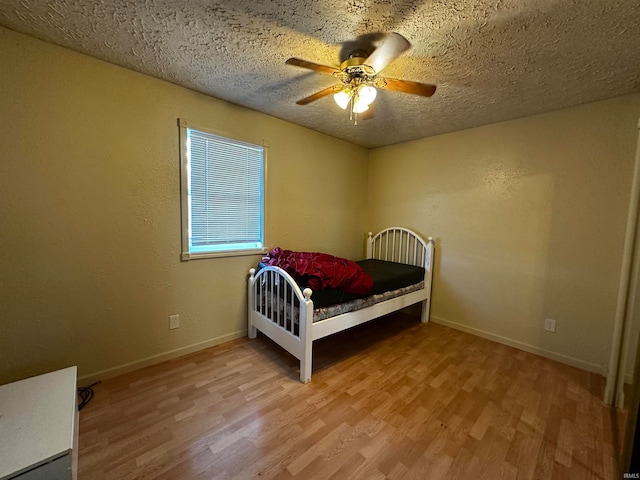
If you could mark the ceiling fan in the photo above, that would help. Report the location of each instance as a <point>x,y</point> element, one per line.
<point>359,77</point>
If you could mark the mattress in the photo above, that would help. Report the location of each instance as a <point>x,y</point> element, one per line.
<point>323,313</point>
<point>387,276</point>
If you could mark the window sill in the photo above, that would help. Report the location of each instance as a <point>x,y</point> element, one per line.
<point>185,257</point>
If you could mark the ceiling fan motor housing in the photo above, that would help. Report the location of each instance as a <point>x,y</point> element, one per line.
<point>354,71</point>
<point>355,64</point>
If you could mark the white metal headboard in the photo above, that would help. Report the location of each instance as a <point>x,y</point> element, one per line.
<point>398,244</point>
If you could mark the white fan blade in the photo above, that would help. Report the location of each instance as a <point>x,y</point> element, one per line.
<point>386,53</point>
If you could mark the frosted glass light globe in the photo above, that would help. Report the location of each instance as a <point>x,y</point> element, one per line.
<point>360,106</point>
<point>342,98</point>
<point>367,94</point>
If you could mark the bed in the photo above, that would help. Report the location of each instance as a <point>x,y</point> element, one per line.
<point>285,312</point>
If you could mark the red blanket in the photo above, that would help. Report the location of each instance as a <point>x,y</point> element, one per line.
<point>321,271</point>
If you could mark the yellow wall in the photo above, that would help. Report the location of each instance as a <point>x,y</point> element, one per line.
<point>90,212</point>
<point>530,218</point>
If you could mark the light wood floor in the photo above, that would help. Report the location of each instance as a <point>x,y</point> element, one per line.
<point>393,399</point>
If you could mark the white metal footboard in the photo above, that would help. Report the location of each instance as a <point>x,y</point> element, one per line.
<point>284,313</point>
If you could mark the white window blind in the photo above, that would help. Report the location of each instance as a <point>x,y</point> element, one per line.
<point>225,190</point>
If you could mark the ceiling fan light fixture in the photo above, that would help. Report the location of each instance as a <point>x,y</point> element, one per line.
<point>342,98</point>
<point>359,97</point>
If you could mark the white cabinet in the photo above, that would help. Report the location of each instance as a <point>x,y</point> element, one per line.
<point>39,427</point>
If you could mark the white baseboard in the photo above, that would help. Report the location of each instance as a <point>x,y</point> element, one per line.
<point>161,357</point>
<point>559,357</point>
<point>178,352</point>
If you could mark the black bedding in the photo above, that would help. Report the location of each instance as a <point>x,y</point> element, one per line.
<point>386,276</point>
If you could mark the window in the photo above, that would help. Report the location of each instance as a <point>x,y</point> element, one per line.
<point>222,195</point>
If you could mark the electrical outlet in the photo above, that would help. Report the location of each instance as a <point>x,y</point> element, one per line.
<point>174,321</point>
<point>550,325</point>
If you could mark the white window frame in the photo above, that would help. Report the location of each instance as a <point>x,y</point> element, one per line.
<point>188,251</point>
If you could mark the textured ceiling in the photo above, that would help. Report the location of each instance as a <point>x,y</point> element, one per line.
<point>492,60</point>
